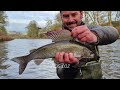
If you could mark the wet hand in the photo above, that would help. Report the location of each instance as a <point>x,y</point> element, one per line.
<point>68,58</point>
<point>82,33</point>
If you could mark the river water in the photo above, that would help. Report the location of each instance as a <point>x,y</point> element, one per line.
<point>110,57</point>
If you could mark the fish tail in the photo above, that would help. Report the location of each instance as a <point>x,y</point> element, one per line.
<point>22,61</point>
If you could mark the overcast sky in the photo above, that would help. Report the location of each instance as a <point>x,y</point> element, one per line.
<point>18,20</point>
<point>26,16</point>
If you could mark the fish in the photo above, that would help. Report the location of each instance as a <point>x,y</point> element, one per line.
<point>59,35</point>
<point>64,34</point>
<point>59,44</point>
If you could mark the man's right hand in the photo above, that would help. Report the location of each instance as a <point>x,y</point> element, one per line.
<point>68,58</point>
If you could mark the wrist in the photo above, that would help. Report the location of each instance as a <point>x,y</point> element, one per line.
<point>97,41</point>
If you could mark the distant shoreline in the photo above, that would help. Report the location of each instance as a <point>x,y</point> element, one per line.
<point>5,38</point>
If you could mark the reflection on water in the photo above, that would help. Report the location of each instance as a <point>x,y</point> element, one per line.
<point>9,70</point>
<point>19,47</point>
<point>3,57</point>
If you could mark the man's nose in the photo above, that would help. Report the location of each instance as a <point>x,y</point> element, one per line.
<point>71,19</point>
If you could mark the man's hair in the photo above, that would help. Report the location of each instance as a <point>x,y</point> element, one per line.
<point>61,11</point>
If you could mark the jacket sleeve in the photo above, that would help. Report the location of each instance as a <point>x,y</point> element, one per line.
<point>106,34</point>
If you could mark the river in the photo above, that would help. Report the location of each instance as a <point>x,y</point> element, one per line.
<point>110,55</point>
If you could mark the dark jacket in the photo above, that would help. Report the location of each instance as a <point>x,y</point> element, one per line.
<point>106,35</point>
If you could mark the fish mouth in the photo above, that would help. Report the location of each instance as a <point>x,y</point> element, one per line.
<point>13,59</point>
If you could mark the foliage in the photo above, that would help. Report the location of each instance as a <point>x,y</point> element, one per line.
<point>33,29</point>
<point>54,25</point>
<point>3,30</point>
<point>101,17</point>
<point>3,22</point>
<point>3,18</point>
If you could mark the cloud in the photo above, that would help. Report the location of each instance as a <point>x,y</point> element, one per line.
<point>18,20</point>
<point>26,16</point>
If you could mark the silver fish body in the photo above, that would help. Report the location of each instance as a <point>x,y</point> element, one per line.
<point>49,51</point>
<point>62,42</point>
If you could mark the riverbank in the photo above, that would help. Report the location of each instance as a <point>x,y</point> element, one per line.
<point>5,38</point>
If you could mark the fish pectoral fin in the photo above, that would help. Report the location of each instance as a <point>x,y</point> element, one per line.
<point>38,61</point>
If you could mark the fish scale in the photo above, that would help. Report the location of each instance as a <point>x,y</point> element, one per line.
<point>62,43</point>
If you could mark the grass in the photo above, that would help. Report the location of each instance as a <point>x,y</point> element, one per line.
<point>5,38</point>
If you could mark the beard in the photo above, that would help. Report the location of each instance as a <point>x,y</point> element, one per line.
<point>70,25</point>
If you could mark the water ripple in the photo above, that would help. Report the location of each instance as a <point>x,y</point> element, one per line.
<point>110,57</point>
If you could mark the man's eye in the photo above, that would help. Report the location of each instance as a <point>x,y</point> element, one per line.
<point>73,15</point>
<point>65,16</point>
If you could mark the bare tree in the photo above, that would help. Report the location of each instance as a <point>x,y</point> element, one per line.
<point>110,18</point>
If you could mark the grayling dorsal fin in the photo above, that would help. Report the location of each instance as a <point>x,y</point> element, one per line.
<point>59,35</point>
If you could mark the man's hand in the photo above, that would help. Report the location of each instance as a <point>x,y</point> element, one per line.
<point>82,33</point>
<point>68,58</point>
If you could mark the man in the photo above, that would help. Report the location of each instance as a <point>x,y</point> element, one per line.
<point>100,35</point>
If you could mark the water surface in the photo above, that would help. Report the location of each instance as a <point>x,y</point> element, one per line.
<point>110,57</point>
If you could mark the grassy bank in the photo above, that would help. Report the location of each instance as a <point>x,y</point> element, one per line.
<point>5,38</point>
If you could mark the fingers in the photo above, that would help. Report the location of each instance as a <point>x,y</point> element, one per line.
<point>65,58</point>
<point>75,32</point>
<point>79,30</point>
<point>56,56</point>
<point>59,57</point>
<point>72,58</point>
<point>82,33</point>
<point>84,39</point>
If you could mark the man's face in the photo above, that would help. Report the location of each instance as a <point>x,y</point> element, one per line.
<point>71,19</point>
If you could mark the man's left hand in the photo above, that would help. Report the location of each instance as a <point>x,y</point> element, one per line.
<point>82,33</point>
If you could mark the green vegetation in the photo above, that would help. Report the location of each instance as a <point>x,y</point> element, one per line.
<point>34,31</point>
<point>3,32</point>
<point>103,18</point>
<point>18,35</point>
